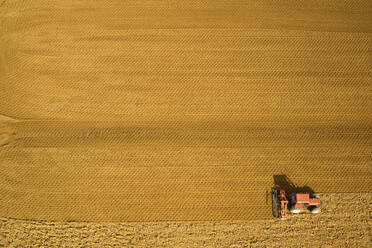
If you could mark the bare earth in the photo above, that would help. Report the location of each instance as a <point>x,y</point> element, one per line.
<point>344,222</point>
<point>145,111</point>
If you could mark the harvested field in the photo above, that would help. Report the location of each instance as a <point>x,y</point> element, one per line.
<point>146,111</point>
<point>344,222</point>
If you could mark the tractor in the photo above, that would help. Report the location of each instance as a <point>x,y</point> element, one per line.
<point>299,200</point>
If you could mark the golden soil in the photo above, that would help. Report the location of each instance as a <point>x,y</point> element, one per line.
<point>344,222</point>
<point>202,169</point>
<point>117,111</point>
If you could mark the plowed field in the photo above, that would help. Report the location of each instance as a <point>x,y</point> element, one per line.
<point>180,110</point>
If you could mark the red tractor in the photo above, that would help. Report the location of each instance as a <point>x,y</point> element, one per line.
<point>296,203</point>
<point>287,196</point>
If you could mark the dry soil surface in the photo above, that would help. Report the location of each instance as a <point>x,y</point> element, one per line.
<point>199,169</point>
<point>344,222</point>
<point>116,111</point>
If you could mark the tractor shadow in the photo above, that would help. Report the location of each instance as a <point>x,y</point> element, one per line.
<point>283,182</point>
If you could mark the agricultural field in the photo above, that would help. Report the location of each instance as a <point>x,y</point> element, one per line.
<point>344,222</point>
<point>178,117</point>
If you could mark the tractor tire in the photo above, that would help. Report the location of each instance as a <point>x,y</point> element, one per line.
<point>295,211</point>
<point>315,210</point>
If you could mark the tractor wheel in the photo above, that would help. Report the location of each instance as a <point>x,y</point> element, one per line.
<point>315,210</point>
<point>295,211</point>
